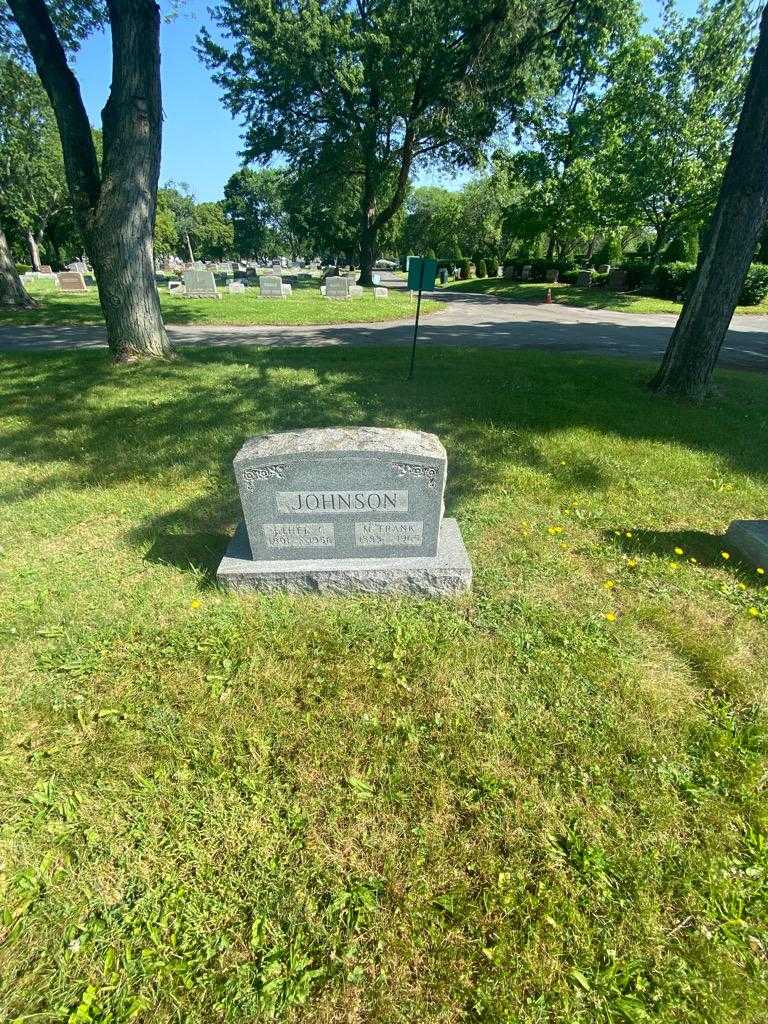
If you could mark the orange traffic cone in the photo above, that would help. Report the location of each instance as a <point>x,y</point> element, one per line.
<point>549,295</point>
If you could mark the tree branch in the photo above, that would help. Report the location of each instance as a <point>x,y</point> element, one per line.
<point>60,84</point>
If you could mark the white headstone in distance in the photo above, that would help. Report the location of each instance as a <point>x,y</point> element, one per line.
<point>356,291</point>
<point>235,286</point>
<point>380,293</point>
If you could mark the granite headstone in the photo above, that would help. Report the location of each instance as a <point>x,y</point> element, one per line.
<point>345,509</point>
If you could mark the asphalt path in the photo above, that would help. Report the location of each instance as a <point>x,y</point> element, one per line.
<point>468,320</point>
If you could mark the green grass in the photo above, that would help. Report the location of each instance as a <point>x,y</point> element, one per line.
<point>305,307</point>
<point>569,295</point>
<point>542,804</point>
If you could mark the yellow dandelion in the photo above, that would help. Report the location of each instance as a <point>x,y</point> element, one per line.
<point>609,585</point>
<point>693,561</point>
<point>554,530</point>
<point>674,566</point>
<point>760,570</point>
<point>610,616</point>
<point>195,604</point>
<point>742,586</point>
<point>679,551</point>
<point>628,533</point>
<point>725,554</point>
<point>753,611</point>
<point>631,563</point>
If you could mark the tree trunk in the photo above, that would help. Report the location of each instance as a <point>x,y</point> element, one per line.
<point>121,238</point>
<point>550,247</point>
<point>12,292</point>
<point>34,250</point>
<point>368,254</point>
<point>189,247</point>
<point>739,217</point>
<point>115,206</point>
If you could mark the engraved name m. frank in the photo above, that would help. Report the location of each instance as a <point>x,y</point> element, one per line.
<point>342,501</point>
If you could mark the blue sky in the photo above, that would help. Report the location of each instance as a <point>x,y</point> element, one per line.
<point>200,140</point>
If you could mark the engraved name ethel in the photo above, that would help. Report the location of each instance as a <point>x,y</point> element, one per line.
<point>342,501</point>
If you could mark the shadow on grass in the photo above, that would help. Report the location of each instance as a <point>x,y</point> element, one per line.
<point>81,422</point>
<point>706,548</point>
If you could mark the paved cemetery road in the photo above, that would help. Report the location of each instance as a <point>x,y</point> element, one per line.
<point>468,320</point>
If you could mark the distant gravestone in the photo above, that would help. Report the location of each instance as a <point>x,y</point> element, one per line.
<point>45,269</point>
<point>200,284</point>
<point>340,510</point>
<point>337,288</point>
<point>552,275</point>
<point>71,281</point>
<point>380,293</point>
<point>272,287</point>
<point>617,280</point>
<point>527,273</point>
<point>584,279</point>
<point>356,291</point>
<point>78,267</point>
<point>508,272</point>
<point>235,286</point>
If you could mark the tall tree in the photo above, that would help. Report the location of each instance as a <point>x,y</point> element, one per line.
<point>665,122</point>
<point>33,187</point>
<point>380,85</point>
<point>114,201</point>
<point>180,200</point>
<point>729,246</point>
<point>254,202</point>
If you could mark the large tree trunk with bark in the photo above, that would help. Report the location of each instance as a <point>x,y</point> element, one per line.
<point>115,205</point>
<point>121,237</point>
<point>12,291</point>
<point>728,248</point>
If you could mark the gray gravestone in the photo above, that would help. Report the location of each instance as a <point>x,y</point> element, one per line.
<point>200,284</point>
<point>617,280</point>
<point>271,287</point>
<point>527,273</point>
<point>345,509</point>
<point>750,538</point>
<point>337,288</point>
<point>584,279</point>
<point>508,273</point>
<point>551,276</point>
<point>71,282</point>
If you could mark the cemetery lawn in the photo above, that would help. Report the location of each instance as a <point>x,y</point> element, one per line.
<point>543,803</point>
<point>304,308</point>
<point>570,295</point>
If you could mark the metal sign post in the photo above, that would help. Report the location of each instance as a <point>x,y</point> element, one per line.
<point>419,271</point>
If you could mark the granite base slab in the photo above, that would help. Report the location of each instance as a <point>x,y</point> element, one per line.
<point>448,574</point>
<point>750,538</point>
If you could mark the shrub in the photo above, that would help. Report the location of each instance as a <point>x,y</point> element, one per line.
<point>682,249</point>
<point>23,268</point>
<point>671,279</point>
<point>569,276</point>
<point>492,266</point>
<point>600,280</point>
<point>639,274</point>
<point>480,268</point>
<point>755,287</point>
<point>463,266</point>
<point>430,254</point>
